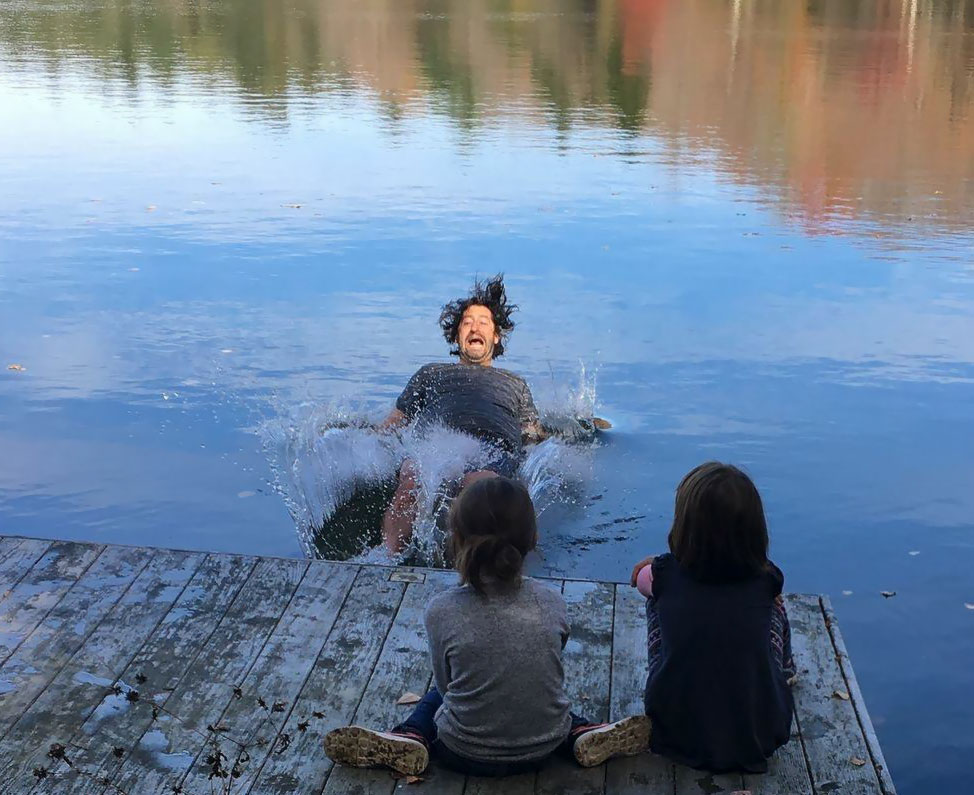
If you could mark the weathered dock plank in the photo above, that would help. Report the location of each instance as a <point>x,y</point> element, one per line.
<point>837,753</point>
<point>38,591</point>
<point>522,784</point>
<point>167,750</point>
<point>588,672</point>
<point>646,773</point>
<point>688,781</point>
<point>787,771</point>
<point>17,557</point>
<point>156,670</point>
<point>333,690</point>
<point>252,661</point>
<point>865,722</point>
<point>71,695</point>
<point>7,545</point>
<point>42,654</point>
<point>276,677</point>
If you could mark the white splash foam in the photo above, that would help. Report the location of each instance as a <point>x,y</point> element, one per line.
<point>321,457</point>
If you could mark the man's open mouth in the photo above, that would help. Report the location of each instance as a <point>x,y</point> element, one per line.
<point>472,340</point>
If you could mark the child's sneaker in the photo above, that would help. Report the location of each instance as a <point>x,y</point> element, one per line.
<point>359,747</point>
<point>622,738</point>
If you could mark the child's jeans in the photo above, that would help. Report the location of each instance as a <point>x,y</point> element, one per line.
<point>421,722</point>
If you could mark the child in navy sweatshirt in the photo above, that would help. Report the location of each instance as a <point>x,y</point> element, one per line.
<point>718,691</point>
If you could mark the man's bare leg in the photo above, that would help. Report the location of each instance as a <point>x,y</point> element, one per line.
<point>397,523</point>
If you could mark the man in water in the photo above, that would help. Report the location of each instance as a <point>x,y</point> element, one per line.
<point>471,396</point>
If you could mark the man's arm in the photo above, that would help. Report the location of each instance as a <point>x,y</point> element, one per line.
<point>532,431</point>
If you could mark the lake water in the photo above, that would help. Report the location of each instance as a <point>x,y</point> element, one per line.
<point>743,227</point>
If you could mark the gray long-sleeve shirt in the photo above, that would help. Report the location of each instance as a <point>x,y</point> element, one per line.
<point>497,663</point>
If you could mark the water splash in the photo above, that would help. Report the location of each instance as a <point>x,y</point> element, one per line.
<point>320,458</point>
<point>337,473</point>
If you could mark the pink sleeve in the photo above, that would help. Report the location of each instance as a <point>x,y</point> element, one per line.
<point>644,580</point>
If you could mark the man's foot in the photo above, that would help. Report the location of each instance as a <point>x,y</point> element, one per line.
<point>622,738</point>
<point>359,747</point>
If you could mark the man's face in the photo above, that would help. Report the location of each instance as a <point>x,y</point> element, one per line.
<point>477,335</point>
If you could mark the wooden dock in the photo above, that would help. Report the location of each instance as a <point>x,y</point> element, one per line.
<point>152,671</point>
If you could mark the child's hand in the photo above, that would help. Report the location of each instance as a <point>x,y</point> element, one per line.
<point>635,569</point>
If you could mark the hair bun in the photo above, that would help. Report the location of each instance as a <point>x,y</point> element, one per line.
<point>507,562</point>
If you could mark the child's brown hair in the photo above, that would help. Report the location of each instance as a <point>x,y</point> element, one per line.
<point>493,527</point>
<point>719,531</point>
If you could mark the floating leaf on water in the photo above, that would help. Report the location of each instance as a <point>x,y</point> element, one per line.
<point>292,206</point>
<point>840,694</point>
<point>151,208</point>
<point>847,593</point>
<point>914,552</point>
<point>601,424</point>
<point>409,698</point>
<point>888,594</point>
<point>226,350</point>
<point>245,494</point>
<point>969,605</point>
<point>134,270</point>
<point>17,368</point>
<point>857,761</point>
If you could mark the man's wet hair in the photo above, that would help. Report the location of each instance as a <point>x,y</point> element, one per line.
<point>489,294</point>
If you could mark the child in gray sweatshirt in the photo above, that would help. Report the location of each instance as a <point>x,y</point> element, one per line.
<point>498,706</point>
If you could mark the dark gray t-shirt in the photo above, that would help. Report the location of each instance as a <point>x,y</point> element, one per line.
<point>485,402</point>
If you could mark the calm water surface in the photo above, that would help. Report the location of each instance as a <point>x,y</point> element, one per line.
<point>751,222</point>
